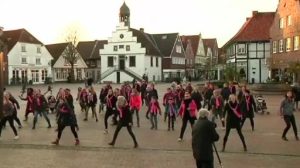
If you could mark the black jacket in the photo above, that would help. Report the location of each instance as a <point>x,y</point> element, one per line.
<point>197,97</point>
<point>203,136</point>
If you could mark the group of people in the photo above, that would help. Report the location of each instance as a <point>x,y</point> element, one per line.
<point>232,106</point>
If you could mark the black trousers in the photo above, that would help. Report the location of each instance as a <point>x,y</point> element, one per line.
<point>15,118</point>
<point>10,120</point>
<point>136,111</point>
<point>119,127</point>
<point>108,113</point>
<point>239,131</point>
<point>251,121</point>
<point>289,120</point>
<point>184,124</point>
<point>62,127</point>
<point>204,164</point>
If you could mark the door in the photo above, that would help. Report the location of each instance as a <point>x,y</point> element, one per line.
<point>122,62</point>
<point>118,77</point>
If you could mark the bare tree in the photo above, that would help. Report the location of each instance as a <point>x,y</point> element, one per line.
<point>71,54</point>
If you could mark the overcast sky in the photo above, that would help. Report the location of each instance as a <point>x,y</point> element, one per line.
<point>48,20</point>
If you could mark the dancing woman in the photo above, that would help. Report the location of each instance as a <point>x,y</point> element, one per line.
<point>233,120</point>
<point>111,108</point>
<point>125,120</point>
<point>66,117</point>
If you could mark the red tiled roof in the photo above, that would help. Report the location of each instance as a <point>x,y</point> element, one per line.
<point>194,41</point>
<point>210,43</point>
<point>19,35</point>
<point>256,28</point>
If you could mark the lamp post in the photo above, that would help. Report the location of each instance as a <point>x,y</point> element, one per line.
<point>2,46</point>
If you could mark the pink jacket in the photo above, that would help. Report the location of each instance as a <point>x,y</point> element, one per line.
<point>135,102</point>
<point>192,107</point>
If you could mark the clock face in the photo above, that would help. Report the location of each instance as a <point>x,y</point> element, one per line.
<point>121,36</point>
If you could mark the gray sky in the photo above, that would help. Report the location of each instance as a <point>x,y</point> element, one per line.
<point>48,20</point>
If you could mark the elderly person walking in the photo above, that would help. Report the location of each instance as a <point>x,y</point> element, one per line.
<point>203,136</point>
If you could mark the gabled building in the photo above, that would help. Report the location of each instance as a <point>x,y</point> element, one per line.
<point>200,60</point>
<point>28,60</point>
<point>174,60</point>
<point>285,34</point>
<point>130,53</point>
<point>249,49</point>
<point>90,52</point>
<point>190,44</point>
<point>61,66</point>
<point>211,49</point>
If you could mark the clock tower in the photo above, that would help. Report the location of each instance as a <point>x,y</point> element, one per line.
<point>124,14</point>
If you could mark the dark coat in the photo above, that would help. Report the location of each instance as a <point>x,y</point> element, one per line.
<point>66,115</point>
<point>125,116</point>
<point>203,136</point>
<point>225,92</point>
<point>252,107</point>
<point>43,103</point>
<point>232,120</point>
<point>197,97</point>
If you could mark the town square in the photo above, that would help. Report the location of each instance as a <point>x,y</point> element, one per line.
<point>165,94</point>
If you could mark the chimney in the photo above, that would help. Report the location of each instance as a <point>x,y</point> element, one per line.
<point>142,30</point>
<point>254,13</point>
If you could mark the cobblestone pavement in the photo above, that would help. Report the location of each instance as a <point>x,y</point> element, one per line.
<point>157,148</point>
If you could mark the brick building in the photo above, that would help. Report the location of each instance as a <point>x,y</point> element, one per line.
<point>285,33</point>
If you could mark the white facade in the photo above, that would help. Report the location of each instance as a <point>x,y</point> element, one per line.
<point>122,48</point>
<point>61,69</point>
<point>31,62</point>
<point>252,58</point>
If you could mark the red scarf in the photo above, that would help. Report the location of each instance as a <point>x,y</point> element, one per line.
<point>218,102</point>
<point>235,110</point>
<point>248,102</point>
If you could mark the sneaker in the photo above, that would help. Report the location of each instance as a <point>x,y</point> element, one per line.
<point>297,138</point>
<point>111,144</point>
<point>245,149</point>
<point>105,131</point>
<point>16,137</point>
<point>284,138</point>
<point>136,145</point>
<point>97,120</point>
<point>179,140</point>
<point>20,126</point>
<point>85,119</point>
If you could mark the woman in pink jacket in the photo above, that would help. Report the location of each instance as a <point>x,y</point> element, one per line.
<point>135,104</point>
<point>187,111</point>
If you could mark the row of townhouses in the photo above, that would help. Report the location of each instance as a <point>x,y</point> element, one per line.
<point>267,44</point>
<point>129,53</point>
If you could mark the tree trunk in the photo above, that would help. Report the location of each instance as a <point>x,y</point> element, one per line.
<point>72,76</point>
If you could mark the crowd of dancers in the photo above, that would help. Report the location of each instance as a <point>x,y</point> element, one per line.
<point>230,105</point>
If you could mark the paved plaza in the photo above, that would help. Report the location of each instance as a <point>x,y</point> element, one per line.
<point>156,148</point>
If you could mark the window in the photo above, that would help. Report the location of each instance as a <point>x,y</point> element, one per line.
<point>274,46</point>
<point>132,61</point>
<point>151,62</point>
<point>289,20</point>
<point>115,48</point>
<point>288,44</point>
<point>178,49</point>
<point>78,74</point>
<point>44,75</point>
<point>23,48</point>
<point>24,76</point>
<point>35,75</point>
<point>24,60</point>
<point>127,47</point>
<point>241,49</point>
<point>156,61</point>
<point>296,43</point>
<point>281,46</point>
<point>281,23</point>
<point>38,61</point>
<point>38,50</point>
<point>110,61</point>
<point>15,74</point>
<point>121,46</point>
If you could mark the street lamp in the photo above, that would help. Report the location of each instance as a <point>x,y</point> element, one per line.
<point>2,46</point>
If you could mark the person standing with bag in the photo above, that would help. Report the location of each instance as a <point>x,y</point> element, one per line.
<point>287,112</point>
<point>203,136</point>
